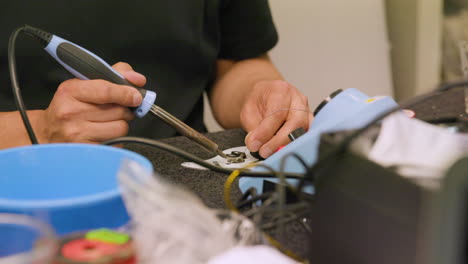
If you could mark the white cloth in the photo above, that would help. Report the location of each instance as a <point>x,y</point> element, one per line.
<point>416,148</point>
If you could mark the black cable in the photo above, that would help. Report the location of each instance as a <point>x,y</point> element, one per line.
<point>303,211</point>
<point>282,191</point>
<point>253,199</point>
<point>300,195</point>
<point>15,86</point>
<point>448,86</point>
<point>252,191</point>
<point>297,157</point>
<point>185,155</point>
<point>277,212</point>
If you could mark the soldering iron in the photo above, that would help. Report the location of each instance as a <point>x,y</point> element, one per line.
<point>85,65</point>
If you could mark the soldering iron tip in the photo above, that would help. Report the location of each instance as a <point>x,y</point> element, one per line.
<point>220,153</point>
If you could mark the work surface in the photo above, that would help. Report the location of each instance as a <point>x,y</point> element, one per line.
<point>205,183</point>
<point>209,185</point>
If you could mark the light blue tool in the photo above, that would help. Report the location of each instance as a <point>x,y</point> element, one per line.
<point>347,110</point>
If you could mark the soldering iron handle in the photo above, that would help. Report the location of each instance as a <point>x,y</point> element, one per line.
<point>86,65</point>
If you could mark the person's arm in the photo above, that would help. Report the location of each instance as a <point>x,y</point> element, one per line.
<point>234,81</point>
<point>85,111</point>
<point>248,91</point>
<point>13,133</point>
<point>252,94</point>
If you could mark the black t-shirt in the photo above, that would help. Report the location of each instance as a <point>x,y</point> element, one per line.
<point>174,43</point>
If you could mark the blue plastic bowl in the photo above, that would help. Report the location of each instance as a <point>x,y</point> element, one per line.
<point>73,186</point>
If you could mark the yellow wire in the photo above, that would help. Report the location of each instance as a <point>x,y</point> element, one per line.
<point>227,190</point>
<point>286,251</point>
<point>228,185</point>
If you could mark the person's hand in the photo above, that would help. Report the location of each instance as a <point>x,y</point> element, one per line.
<point>91,111</point>
<point>271,111</point>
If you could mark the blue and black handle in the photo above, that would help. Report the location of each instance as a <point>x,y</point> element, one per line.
<point>85,65</point>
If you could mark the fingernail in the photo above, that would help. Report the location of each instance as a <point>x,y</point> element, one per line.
<point>265,152</point>
<point>136,99</point>
<point>256,145</point>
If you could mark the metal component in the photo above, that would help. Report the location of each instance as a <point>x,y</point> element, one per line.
<point>220,153</point>
<point>186,130</point>
<point>236,157</point>
<point>296,133</point>
<point>235,160</point>
<point>235,154</point>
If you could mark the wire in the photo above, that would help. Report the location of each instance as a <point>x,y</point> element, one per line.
<point>227,190</point>
<point>15,86</point>
<point>448,86</point>
<point>280,188</point>
<point>297,191</point>
<point>294,214</point>
<point>255,212</point>
<point>228,185</point>
<point>253,199</point>
<point>252,191</point>
<point>191,157</point>
<point>298,158</point>
<point>279,215</point>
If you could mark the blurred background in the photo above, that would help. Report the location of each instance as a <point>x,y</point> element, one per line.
<point>382,47</point>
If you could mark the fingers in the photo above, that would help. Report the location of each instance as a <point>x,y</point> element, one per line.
<point>250,116</point>
<point>295,120</point>
<point>128,73</point>
<point>108,112</point>
<point>91,132</point>
<point>100,92</point>
<point>92,111</point>
<point>122,66</point>
<point>72,111</point>
<point>267,98</point>
<point>285,110</point>
<point>104,131</point>
<point>264,132</point>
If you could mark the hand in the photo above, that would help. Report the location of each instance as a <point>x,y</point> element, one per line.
<point>91,111</point>
<point>272,111</point>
